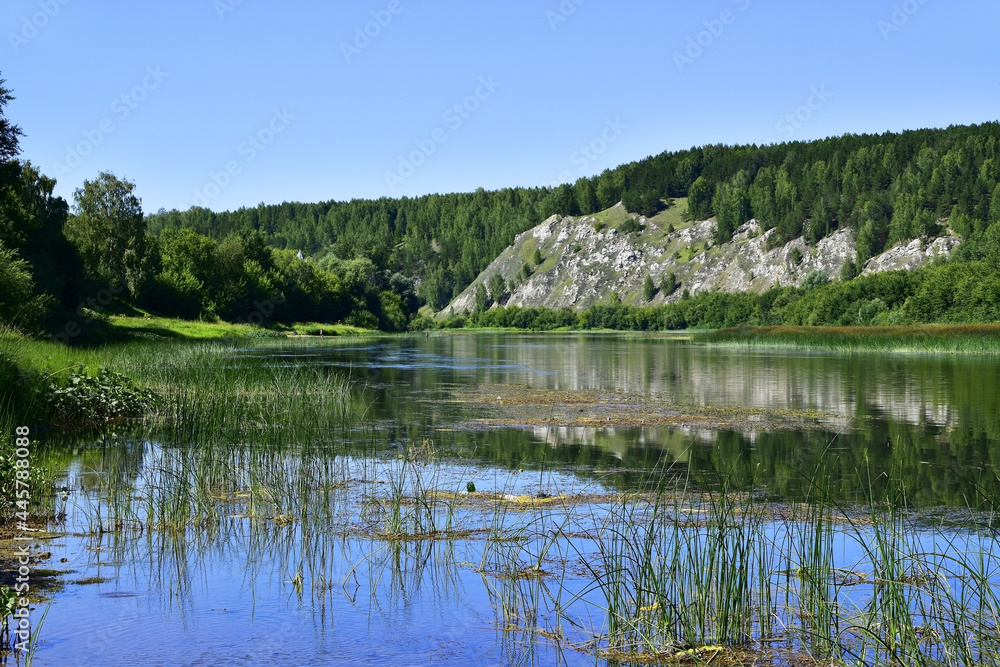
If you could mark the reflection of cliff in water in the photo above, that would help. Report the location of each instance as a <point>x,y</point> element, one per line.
<point>944,390</point>
<point>910,388</point>
<point>931,421</point>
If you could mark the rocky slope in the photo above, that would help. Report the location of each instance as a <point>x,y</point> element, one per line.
<point>596,259</point>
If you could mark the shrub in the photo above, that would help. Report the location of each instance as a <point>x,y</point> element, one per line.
<point>99,401</point>
<point>815,279</point>
<point>631,225</point>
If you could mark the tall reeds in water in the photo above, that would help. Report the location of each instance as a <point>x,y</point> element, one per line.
<point>670,569</point>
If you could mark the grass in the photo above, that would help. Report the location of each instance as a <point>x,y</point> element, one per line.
<point>674,575</point>
<point>612,217</point>
<point>161,327</point>
<point>933,338</point>
<point>674,215</point>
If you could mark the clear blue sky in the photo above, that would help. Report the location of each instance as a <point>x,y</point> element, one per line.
<point>167,94</point>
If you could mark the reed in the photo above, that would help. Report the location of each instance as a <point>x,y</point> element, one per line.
<point>278,464</point>
<point>926,338</point>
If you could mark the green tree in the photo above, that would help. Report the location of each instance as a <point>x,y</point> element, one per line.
<point>700,198</point>
<point>536,257</point>
<point>19,305</point>
<point>9,133</point>
<point>867,244</point>
<point>482,299</point>
<point>498,287</point>
<point>109,229</point>
<point>732,206</point>
<point>648,289</point>
<point>668,284</point>
<point>849,271</point>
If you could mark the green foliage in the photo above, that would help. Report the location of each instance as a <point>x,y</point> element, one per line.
<point>648,289</point>
<point>942,293</point>
<point>97,402</point>
<point>20,306</point>
<point>482,298</point>
<point>536,257</point>
<point>9,132</point>
<point>109,230</point>
<point>668,284</point>
<point>888,188</point>
<point>525,272</point>
<point>700,199</point>
<point>732,205</point>
<point>814,279</point>
<point>631,226</point>
<point>900,183</point>
<point>646,203</point>
<point>498,288</point>
<point>849,270</point>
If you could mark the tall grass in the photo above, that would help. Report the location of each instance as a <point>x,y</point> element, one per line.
<point>668,571</point>
<point>928,338</point>
<point>279,459</point>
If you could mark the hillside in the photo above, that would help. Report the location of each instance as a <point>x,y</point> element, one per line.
<point>596,259</point>
<point>887,189</point>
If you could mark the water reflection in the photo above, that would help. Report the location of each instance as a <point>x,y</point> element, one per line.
<point>932,421</point>
<point>251,554</point>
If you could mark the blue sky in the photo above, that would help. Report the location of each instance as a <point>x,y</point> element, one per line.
<point>228,103</point>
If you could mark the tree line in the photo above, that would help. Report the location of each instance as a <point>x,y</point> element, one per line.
<point>888,188</point>
<point>958,292</point>
<point>374,263</point>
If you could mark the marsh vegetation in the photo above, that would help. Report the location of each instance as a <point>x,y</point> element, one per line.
<point>305,499</point>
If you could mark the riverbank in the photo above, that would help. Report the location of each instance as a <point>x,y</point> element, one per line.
<point>148,326</point>
<point>925,338</point>
<point>615,496</point>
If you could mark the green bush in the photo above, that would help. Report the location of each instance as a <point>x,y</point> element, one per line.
<point>631,225</point>
<point>99,401</point>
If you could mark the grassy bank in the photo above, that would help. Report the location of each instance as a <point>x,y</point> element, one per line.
<point>165,327</point>
<point>930,338</point>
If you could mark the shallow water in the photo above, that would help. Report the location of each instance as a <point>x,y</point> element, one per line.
<point>245,589</point>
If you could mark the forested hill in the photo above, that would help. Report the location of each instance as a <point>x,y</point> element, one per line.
<point>373,263</point>
<point>887,188</point>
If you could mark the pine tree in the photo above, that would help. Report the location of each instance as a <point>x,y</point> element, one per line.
<point>482,300</point>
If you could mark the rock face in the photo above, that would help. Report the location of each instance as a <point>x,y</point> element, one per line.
<point>596,259</point>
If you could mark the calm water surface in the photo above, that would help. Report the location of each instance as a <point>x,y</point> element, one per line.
<point>229,596</point>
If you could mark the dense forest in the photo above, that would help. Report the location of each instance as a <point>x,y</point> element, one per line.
<point>374,263</point>
<point>888,188</point>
